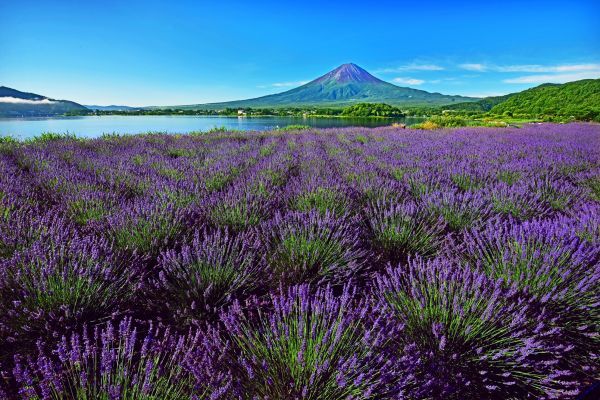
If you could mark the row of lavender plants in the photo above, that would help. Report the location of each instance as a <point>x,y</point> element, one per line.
<point>326,264</point>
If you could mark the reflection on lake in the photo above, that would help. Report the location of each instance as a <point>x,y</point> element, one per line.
<point>94,126</point>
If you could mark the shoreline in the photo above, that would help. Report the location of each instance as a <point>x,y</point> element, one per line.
<point>51,136</point>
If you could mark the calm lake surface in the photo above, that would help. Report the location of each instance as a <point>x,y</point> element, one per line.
<point>24,128</point>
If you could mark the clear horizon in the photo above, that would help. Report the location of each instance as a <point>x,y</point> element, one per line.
<point>155,53</point>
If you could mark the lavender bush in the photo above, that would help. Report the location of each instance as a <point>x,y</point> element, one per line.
<point>310,247</point>
<point>476,337</point>
<point>401,229</point>
<point>204,276</point>
<point>348,263</point>
<point>110,363</point>
<point>304,345</point>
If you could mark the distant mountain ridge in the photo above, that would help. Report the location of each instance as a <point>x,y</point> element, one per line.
<point>112,107</point>
<point>349,85</point>
<point>346,85</point>
<point>14,103</point>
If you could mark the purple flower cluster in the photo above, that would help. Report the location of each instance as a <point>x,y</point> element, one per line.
<point>329,264</point>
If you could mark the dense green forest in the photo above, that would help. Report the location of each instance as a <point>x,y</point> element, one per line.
<point>579,100</point>
<point>357,110</point>
<point>372,110</point>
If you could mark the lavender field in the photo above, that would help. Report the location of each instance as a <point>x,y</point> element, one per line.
<point>348,263</point>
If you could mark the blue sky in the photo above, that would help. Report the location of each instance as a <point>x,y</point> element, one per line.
<point>185,52</point>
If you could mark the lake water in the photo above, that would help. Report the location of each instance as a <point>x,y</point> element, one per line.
<point>24,128</point>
